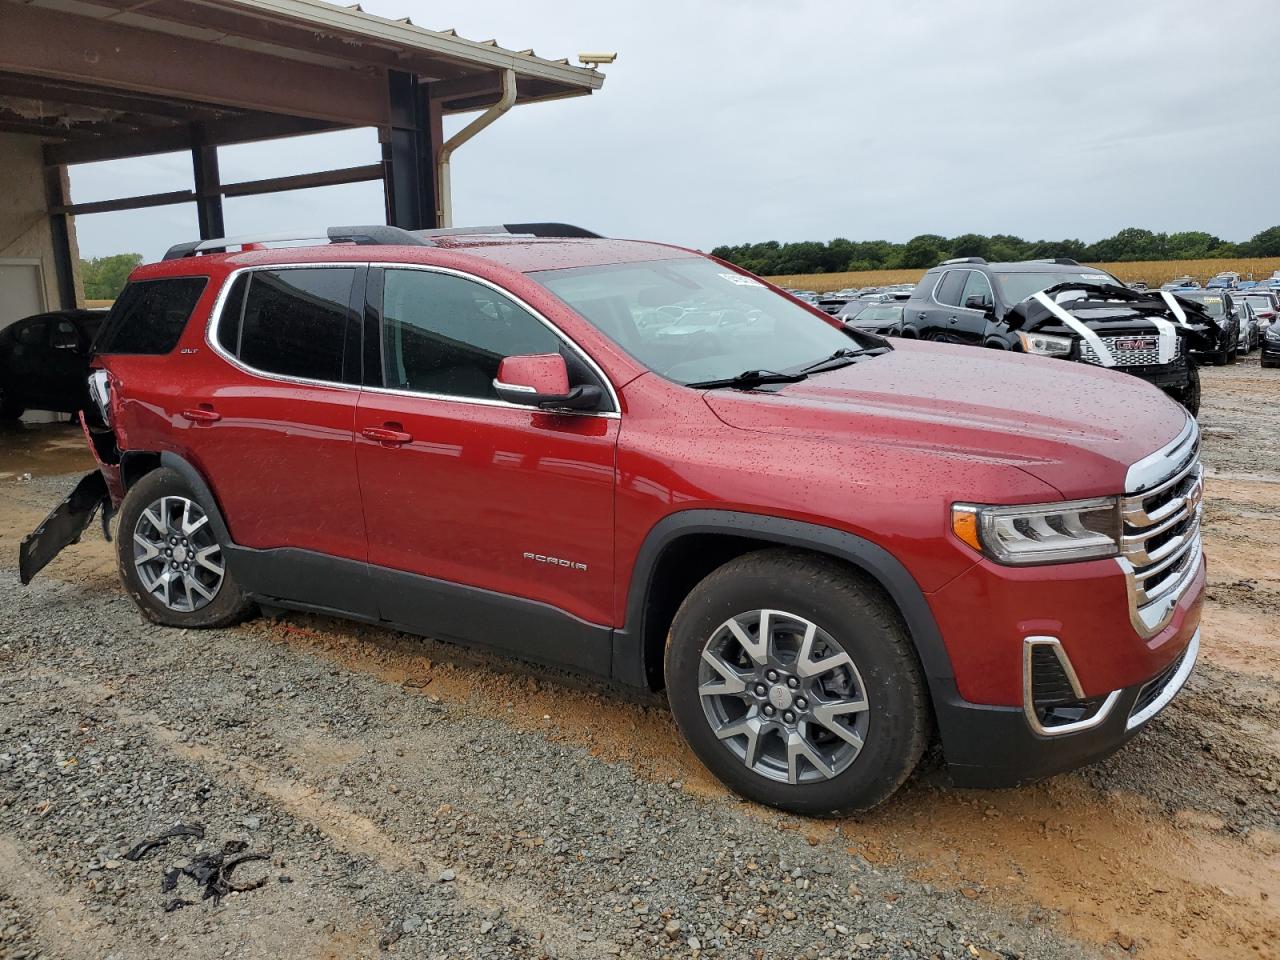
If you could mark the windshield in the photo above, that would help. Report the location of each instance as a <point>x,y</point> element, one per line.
<point>1261,303</point>
<point>1016,287</point>
<point>1211,303</point>
<point>693,320</point>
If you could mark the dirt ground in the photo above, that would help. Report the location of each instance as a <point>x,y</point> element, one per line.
<point>420,800</point>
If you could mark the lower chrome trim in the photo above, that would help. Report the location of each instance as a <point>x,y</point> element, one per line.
<point>1175,684</point>
<point>1028,702</point>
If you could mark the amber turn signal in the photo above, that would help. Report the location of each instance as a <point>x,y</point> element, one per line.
<point>964,524</point>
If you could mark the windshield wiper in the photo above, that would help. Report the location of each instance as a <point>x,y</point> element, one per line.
<point>750,378</point>
<point>845,355</point>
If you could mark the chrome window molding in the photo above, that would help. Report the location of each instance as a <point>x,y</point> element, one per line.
<point>1029,645</point>
<point>1171,688</point>
<point>215,320</point>
<point>933,294</point>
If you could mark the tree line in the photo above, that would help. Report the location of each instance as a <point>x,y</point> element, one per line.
<point>772,258</point>
<point>104,277</point>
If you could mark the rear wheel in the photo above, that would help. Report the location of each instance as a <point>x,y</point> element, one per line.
<point>794,682</point>
<point>1190,393</point>
<point>171,560</point>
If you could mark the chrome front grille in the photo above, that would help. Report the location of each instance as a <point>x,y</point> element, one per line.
<point>1165,350</point>
<point>1161,550</point>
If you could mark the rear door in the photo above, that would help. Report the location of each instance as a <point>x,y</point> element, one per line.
<point>941,312</point>
<point>477,492</point>
<point>270,424</point>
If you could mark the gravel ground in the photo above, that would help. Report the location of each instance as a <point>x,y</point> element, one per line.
<point>414,799</point>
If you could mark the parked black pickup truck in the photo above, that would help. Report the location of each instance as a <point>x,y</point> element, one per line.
<point>1059,308</point>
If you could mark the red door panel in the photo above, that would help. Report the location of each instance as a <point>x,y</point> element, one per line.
<point>504,498</point>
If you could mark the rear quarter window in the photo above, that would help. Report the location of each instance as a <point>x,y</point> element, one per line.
<point>150,315</point>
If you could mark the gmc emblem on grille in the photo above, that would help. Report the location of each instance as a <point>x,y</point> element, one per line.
<point>1135,343</point>
<point>555,561</point>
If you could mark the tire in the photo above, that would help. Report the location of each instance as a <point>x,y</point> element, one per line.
<point>1234,354</point>
<point>1190,394</point>
<point>879,684</point>
<point>11,408</point>
<point>161,513</point>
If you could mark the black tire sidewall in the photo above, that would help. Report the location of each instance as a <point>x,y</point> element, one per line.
<point>229,605</point>
<point>861,621</point>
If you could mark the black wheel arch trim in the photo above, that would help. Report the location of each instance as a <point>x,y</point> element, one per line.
<point>195,479</point>
<point>633,661</point>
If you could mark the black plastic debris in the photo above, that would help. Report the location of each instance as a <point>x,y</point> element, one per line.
<point>213,872</point>
<point>162,840</point>
<point>210,870</point>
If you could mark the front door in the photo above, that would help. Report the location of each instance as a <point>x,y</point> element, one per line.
<point>478,508</point>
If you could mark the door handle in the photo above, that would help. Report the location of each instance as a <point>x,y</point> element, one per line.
<point>953,319</point>
<point>202,414</point>
<point>389,435</point>
<point>922,316</point>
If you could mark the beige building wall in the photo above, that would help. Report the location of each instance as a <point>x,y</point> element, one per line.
<point>24,222</point>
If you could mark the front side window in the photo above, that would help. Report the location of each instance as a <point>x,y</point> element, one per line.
<point>446,335</point>
<point>976,286</point>
<point>150,315</point>
<point>292,323</point>
<point>693,320</point>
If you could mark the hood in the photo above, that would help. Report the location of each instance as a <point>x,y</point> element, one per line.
<point>1074,426</point>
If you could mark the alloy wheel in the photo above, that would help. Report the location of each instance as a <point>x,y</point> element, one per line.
<point>176,555</point>
<point>784,696</point>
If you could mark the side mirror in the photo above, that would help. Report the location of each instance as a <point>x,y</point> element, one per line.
<point>978,301</point>
<point>542,380</point>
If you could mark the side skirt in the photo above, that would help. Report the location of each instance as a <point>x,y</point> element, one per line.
<point>526,629</point>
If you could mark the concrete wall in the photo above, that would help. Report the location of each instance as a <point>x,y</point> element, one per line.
<point>24,223</point>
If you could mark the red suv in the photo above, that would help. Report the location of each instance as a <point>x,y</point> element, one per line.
<point>641,462</point>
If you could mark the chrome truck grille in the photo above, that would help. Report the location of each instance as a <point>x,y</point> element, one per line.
<point>1143,350</point>
<point>1161,547</point>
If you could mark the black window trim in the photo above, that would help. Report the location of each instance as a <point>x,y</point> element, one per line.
<point>370,314</point>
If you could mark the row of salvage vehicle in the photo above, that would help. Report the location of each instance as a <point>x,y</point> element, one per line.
<point>1063,309</point>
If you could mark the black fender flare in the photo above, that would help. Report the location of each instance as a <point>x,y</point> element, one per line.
<point>200,487</point>
<point>632,661</point>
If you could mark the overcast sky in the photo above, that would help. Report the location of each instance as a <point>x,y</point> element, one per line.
<point>726,121</point>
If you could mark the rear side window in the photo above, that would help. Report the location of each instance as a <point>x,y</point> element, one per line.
<point>294,323</point>
<point>948,291</point>
<point>150,316</point>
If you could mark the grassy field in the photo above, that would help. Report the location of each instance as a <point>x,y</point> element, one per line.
<point>1154,272</point>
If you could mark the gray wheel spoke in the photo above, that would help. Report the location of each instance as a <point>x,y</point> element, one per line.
<point>157,523</point>
<point>757,649</point>
<point>807,667</point>
<point>797,747</point>
<point>152,551</point>
<point>203,556</point>
<point>732,680</point>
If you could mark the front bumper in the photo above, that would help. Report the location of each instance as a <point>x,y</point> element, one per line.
<point>1167,376</point>
<point>989,746</point>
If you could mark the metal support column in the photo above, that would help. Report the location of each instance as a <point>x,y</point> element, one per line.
<point>57,192</point>
<point>204,166</point>
<point>408,154</point>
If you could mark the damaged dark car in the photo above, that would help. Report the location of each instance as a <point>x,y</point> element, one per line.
<point>1060,308</point>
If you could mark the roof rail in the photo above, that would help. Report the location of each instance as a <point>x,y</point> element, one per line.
<point>947,263</point>
<point>555,230</point>
<point>361,235</point>
<point>1064,261</point>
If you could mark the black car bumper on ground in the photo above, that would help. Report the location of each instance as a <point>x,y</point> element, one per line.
<point>992,747</point>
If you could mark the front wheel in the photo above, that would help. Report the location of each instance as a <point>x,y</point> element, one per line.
<point>171,560</point>
<point>794,681</point>
<point>11,408</point>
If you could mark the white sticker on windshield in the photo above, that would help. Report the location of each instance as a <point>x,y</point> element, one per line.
<point>741,281</point>
<point>1096,278</point>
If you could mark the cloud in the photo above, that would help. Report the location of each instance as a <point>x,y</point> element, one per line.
<point>733,121</point>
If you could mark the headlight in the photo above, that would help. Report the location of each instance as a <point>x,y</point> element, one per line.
<point>1045,345</point>
<point>1273,331</point>
<point>1041,533</point>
